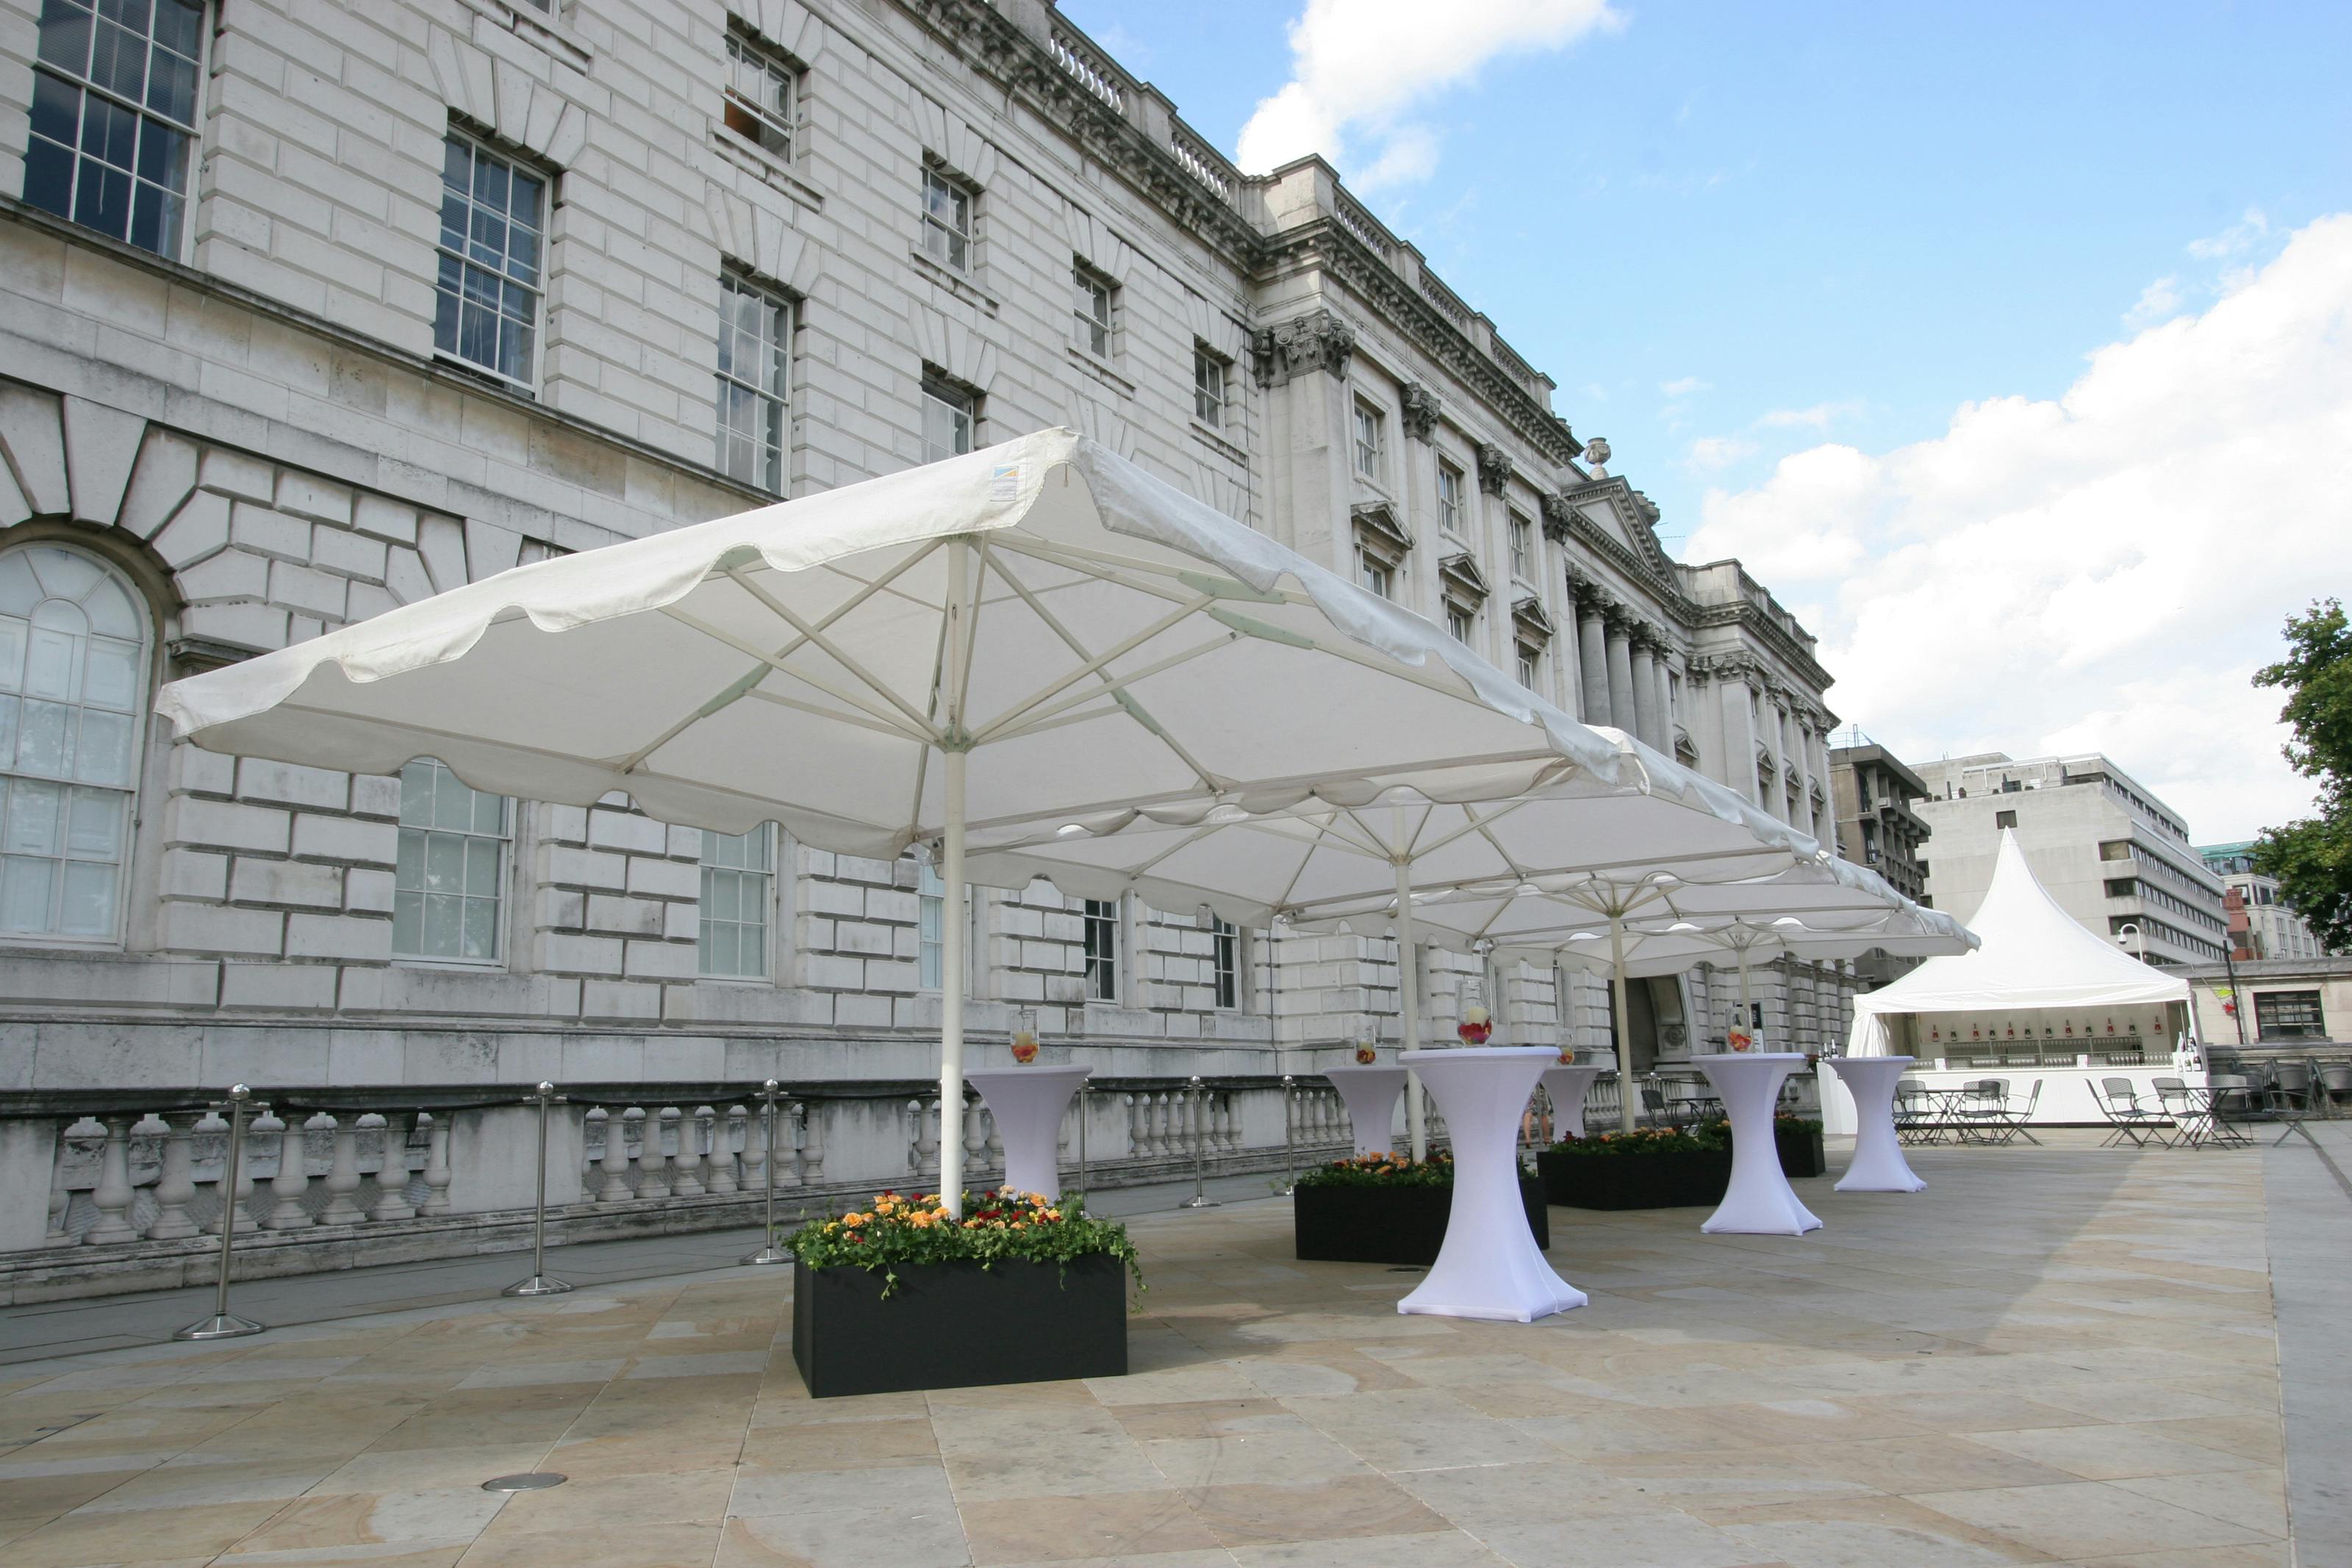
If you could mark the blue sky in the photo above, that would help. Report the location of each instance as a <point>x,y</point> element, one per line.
<point>1776,253</point>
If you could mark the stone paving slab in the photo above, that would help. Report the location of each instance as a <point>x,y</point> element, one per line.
<point>2065,1355</point>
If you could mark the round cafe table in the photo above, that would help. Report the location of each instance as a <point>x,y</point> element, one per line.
<point>1371,1094</point>
<point>1759,1201</point>
<point>1489,1266</point>
<point>1878,1163</point>
<point>1028,1103</point>
<point>1567,1086</point>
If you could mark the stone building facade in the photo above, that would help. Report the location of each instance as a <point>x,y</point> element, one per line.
<point>310,309</point>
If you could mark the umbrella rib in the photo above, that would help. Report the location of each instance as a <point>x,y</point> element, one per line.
<point>996,730</point>
<point>881,726</point>
<point>1076,558</point>
<point>812,636</point>
<point>720,634</point>
<point>1052,622</point>
<point>1095,665</point>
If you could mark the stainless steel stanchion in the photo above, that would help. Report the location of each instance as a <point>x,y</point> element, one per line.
<point>1200,1143</point>
<point>1289,1159</point>
<point>539,1284</point>
<point>771,1093</point>
<point>224,1323</point>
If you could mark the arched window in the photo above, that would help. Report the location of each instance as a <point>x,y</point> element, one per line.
<point>73,704</point>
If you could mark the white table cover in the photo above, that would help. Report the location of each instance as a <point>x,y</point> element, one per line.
<point>1489,1266</point>
<point>1372,1095</point>
<point>1567,1086</point>
<point>1028,1103</point>
<point>1759,1201</point>
<point>1878,1162</point>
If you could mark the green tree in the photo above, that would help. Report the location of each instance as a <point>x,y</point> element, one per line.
<point>2312,858</point>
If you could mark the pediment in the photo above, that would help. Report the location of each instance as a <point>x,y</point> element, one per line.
<point>1460,573</point>
<point>1627,519</point>
<point>1378,519</point>
<point>1527,614</point>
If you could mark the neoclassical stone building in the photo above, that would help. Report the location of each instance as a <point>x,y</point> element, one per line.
<point>312,307</point>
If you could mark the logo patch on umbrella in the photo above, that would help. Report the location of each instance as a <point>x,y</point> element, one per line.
<point>1004,484</point>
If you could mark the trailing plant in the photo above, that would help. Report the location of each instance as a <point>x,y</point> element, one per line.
<point>997,1226</point>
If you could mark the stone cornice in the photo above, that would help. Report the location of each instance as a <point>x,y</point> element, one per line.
<point>1754,624</point>
<point>1325,244</point>
<point>998,50</point>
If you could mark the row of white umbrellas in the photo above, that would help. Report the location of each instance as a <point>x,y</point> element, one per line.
<point>1044,661</point>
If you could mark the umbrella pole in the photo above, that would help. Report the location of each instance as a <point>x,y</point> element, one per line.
<point>1746,1013</point>
<point>1628,1100</point>
<point>1416,1119</point>
<point>951,989</point>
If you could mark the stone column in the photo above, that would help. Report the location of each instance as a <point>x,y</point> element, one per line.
<point>1593,658</point>
<point>1623,713</point>
<point>1738,732</point>
<point>1660,668</point>
<point>1645,688</point>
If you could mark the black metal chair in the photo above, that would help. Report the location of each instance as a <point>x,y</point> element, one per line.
<point>1915,1114</point>
<point>2335,1085</point>
<point>2132,1122</point>
<point>2237,1103</point>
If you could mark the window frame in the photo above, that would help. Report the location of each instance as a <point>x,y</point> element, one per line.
<point>1208,362</point>
<point>745,51</point>
<point>502,879</point>
<point>1450,476</point>
<point>768,907</point>
<point>1102,935</point>
<point>955,398</point>
<point>1226,966</point>
<point>144,675</point>
<point>732,286</point>
<point>938,179</point>
<point>1094,313</point>
<point>1369,431</point>
<point>479,148</point>
<point>1461,621</point>
<point>1370,564</point>
<point>184,241</point>
<point>2291,1028</point>
<point>1521,536</point>
<point>1530,664</point>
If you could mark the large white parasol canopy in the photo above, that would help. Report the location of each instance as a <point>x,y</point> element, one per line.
<point>1039,630</point>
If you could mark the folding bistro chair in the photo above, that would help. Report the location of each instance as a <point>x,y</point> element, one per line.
<point>1981,1113</point>
<point>2120,1102</point>
<point>2295,1098</point>
<point>2014,1123</point>
<point>1915,1114</point>
<point>2335,1085</point>
<point>2190,1115</point>
<point>2237,1105</point>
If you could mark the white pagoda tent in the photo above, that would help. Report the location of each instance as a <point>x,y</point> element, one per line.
<point>2041,997</point>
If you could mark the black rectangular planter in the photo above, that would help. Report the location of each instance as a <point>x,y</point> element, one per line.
<point>958,1325</point>
<point>1802,1154</point>
<point>1389,1224</point>
<point>1635,1181</point>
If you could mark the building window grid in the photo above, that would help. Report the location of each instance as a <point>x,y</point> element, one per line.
<point>948,226</point>
<point>1209,371</point>
<point>1522,549</point>
<point>493,220</point>
<point>1224,964</point>
<point>2288,1016</point>
<point>755,336</point>
<point>1369,441</point>
<point>1094,299</point>
<point>113,117</point>
<point>1449,496</point>
<point>1530,666</point>
<point>1375,573</point>
<point>762,96</point>
<point>1099,920</point>
<point>1461,621</point>
<point>739,880</point>
<point>951,419</point>
<point>449,881</point>
<point>73,677</point>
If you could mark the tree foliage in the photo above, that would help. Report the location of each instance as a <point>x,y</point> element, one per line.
<point>2312,858</point>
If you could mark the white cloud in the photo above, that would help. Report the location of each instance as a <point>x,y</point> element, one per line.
<point>2236,240</point>
<point>1357,65</point>
<point>2101,572</point>
<point>1710,453</point>
<point>1685,385</point>
<point>2160,301</point>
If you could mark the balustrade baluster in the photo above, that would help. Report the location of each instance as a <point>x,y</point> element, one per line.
<point>113,1193</point>
<point>686,1170</point>
<point>60,1195</point>
<point>756,1135</point>
<point>291,1185</point>
<point>592,1153</point>
<point>1137,1138</point>
<point>975,1143</point>
<point>644,1149</point>
<point>436,1164</point>
<point>654,1169</point>
<point>809,1169</point>
<point>214,1125</point>
<point>175,1185</point>
<point>615,1188</point>
<point>343,1175</point>
<point>726,1137</point>
<point>391,1169</point>
<point>991,1142</point>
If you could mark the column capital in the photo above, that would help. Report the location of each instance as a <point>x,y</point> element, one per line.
<point>1418,409</point>
<point>1558,511</point>
<point>1318,340</point>
<point>1494,468</point>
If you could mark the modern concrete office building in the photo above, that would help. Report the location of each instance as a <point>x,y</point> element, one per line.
<point>1873,794</point>
<point>2272,930</point>
<point>2115,856</point>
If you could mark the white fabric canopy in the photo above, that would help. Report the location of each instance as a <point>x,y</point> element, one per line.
<point>1041,629</point>
<point>2032,955</point>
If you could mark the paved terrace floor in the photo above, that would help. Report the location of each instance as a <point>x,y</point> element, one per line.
<point>2063,1354</point>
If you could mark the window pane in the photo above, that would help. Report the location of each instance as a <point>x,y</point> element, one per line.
<point>491,215</point>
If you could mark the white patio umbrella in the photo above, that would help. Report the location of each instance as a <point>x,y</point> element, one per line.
<point>1039,630</point>
<point>1825,934</point>
<point>1434,845</point>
